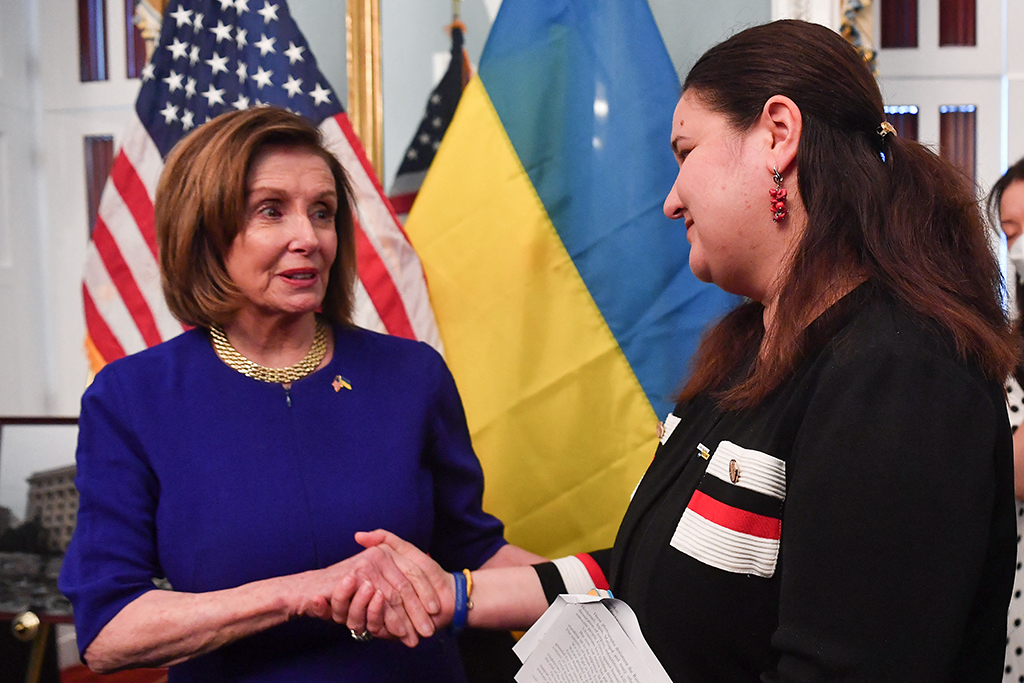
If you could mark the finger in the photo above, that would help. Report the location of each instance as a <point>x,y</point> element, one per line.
<point>356,619</point>
<point>409,609</point>
<point>430,570</point>
<point>383,536</point>
<point>315,607</point>
<point>424,587</point>
<point>396,620</point>
<point>406,586</point>
<point>368,539</point>
<point>415,565</point>
<point>375,623</point>
<point>341,598</point>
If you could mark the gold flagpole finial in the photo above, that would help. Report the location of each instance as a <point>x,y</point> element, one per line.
<point>455,8</point>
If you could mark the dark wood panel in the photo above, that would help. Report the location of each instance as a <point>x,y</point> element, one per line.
<point>135,46</point>
<point>899,23</point>
<point>904,120</point>
<point>92,40</point>
<point>958,137</point>
<point>957,19</point>
<point>99,158</point>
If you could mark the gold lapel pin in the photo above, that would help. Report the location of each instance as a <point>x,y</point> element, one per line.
<point>340,382</point>
<point>734,471</point>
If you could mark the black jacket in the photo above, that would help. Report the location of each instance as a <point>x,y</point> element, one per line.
<point>857,525</point>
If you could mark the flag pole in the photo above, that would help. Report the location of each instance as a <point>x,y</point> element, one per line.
<point>365,101</point>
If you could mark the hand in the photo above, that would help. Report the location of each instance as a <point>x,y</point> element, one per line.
<point>370,592</point>
<point>418,567</point>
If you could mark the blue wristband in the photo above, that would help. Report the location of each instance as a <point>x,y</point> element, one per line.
<point>461,603</point>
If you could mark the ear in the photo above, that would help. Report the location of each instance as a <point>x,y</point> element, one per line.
<point>783,122</point>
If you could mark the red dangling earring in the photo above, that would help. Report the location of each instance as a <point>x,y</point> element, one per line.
<point>778,195</point>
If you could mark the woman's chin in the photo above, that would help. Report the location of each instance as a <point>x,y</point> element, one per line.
<point>286,309</point>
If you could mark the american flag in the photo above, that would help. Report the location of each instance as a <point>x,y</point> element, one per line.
<point>216,56</point>
<point>440,110</point>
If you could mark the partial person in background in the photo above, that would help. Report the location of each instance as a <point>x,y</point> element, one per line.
<point>1006,209</point>
<point>832,498</point>
<point>237,460</point>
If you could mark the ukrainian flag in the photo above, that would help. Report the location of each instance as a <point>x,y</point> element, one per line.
<point>563,295</point>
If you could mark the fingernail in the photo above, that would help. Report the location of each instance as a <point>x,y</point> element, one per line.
<point>433,607</point>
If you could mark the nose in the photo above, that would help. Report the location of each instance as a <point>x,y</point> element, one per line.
<point>304,237</point>
<point>1012,233</point>
<point>673,206</point>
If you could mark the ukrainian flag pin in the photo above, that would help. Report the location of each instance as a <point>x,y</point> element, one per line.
<point>340,382</point>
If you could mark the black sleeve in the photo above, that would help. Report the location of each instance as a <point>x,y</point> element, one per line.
<point>551,578</point>
<point>897,537</point>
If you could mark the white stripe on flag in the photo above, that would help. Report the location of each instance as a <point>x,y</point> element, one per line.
<point>109,304</point>
<point>364,313</point>
<point>393,249</point>
<point>142,152</point>
<point>408,182</point>
<point>139,259</point>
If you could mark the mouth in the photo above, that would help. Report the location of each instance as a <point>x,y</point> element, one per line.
<point>300,275</point>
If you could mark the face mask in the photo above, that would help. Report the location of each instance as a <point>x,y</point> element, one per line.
<point>1014,272</point>
<point>1016,256</point>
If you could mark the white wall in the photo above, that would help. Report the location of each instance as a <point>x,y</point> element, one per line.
<point>1014,118</point>
<point>24,279</point>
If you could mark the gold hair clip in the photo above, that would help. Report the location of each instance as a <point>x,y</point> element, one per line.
<point>886,129</point>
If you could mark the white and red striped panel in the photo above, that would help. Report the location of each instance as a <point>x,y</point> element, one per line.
<point>723,531</point>
<point>125,310</point>
<point>581,574</point>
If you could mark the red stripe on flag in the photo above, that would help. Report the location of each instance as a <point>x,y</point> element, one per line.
<point>102,338</point>
<point>594,569</point>
<point>402,203</point>
<point>357,147</point>
<point>729,517</point>
<point>133,192</point>
<point>123,279</point>
<point>381,288</point>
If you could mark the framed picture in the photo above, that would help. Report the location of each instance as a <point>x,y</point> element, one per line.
<point>38,507</point>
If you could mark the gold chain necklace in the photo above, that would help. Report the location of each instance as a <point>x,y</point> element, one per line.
<point>230,355</point>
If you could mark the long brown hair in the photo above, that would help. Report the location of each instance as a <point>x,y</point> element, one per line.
<point>878,206</point>
<point>200,208</point>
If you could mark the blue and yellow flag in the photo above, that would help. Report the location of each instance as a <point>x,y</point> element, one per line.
<point>563,295</point>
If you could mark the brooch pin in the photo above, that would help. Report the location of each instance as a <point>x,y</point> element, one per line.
<point>340,382</point>
<point>734,471</point>
<point>703,450</point>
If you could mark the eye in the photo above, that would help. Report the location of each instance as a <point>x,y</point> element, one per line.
<point>324,213</point>
<point>269,210</point>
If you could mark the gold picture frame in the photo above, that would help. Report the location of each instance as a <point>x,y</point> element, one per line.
<point>365,100</point>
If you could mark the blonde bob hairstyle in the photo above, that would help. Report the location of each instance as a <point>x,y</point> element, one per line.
<point>201,207</point>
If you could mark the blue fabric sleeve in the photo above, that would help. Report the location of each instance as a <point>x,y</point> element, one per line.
<point>112,558</point>
<point>464,535</point>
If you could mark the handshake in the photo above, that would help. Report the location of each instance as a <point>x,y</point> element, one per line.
<point>396,591</point>
<point>390,590</point>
